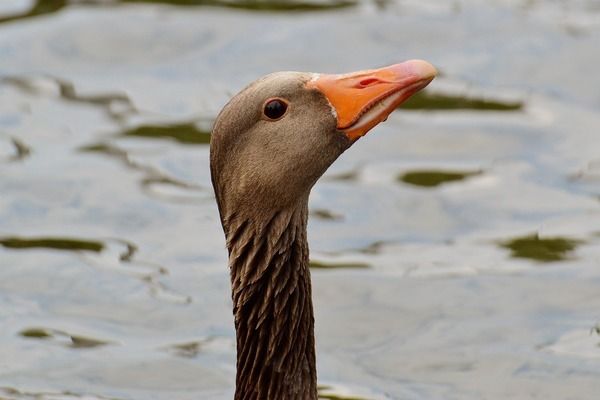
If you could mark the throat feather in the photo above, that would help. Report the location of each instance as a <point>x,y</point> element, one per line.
<point>272,306</point>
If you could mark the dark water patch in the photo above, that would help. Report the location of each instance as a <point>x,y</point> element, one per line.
<point>115,152</point>
<point>425,100</point>
<point>104,148</point>
<point>16,394</point>
<point>40,7</point>
<point>575,31</point>
<point>327,392</point>
<point>189,349</point>
<point>533,247</point>
<point>206,344</point>
<point>44,7</point>
<point>260,5</point>
<point>68,244</point>
<point>186,133</point>
<point>116,105</point>
<point>338,265</point>
<point>349,176</point>
<point>68,92</point>
<point>122,260</point>
<point>152,176</point>
<point>331,396</point>
<point>82,342</point>
<point>56,243</point>
<point>160,291</point>
<point>20,151</point>
<point>186,350</point>
<point>65,338</point>
<point>36,333</point>
<point>432,178</point>
<point>373,248</point>
<point>382,5</point>
<point>175,191</point>
<point>321,213</point>
<point>163,180</point>
<point>130,250</point>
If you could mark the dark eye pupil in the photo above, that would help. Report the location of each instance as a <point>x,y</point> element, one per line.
<point>275,109</point>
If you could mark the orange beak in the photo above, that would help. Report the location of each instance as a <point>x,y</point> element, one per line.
<point>363,99</point>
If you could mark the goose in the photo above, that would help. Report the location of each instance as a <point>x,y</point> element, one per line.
<point>269,145</point>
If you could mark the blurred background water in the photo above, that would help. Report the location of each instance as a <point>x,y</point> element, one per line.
<point>455,249</point>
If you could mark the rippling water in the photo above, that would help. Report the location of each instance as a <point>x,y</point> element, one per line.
<point>455,249</point>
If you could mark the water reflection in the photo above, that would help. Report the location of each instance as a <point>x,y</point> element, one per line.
<point>192,349</point>
<point>19,150</point>
<point>372,248</point>
<point>154,182</point>
<point>63,338</point>
<point>15,394</point>
<point>337,265</point>
<point>185,133</point>
<point>324,214</point>
<point>427,100</point>
<point>344,176</point>
<point>260,5</point>
<point>42,7</point>
<point>187,350</point>
<point>56,243</point>
<point>548,249</point>
<point>331,392</point>
<point>101,142</point>
<point>115,254</point>
<point>117,106</point>
<point>432,178</point>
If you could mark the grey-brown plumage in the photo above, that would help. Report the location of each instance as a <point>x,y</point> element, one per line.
<point>262,173</point>
<point>263,166</point>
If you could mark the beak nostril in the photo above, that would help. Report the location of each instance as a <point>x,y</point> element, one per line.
<point>368,82</point>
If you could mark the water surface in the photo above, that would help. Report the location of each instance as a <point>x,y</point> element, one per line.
<point>455,249</point>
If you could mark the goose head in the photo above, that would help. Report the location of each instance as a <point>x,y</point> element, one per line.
<point>274,139</point>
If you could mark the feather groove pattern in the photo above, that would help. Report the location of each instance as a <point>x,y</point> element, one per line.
<point>272,306</point>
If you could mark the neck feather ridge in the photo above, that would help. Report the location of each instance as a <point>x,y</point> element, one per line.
<point>272,306</point>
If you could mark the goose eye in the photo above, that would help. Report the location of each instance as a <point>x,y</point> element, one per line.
<point>275,108</point>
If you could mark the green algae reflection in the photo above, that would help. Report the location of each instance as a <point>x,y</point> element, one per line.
<point>185,133</point>
<point>43,7</point>
<point>36,333</point>
<point>432,178</point>
<point>325,396</point>
<point>40,7</point>
<point>51,243</point>
<point>259,5</point>
<point>327,215</point>
<point>327,392</point>
<point>337,265</point>
<point>426,100</point>
<point>73,341</point>
<point>533,247</point>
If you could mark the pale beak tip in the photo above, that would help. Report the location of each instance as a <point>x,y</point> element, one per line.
<point>420,68</point>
